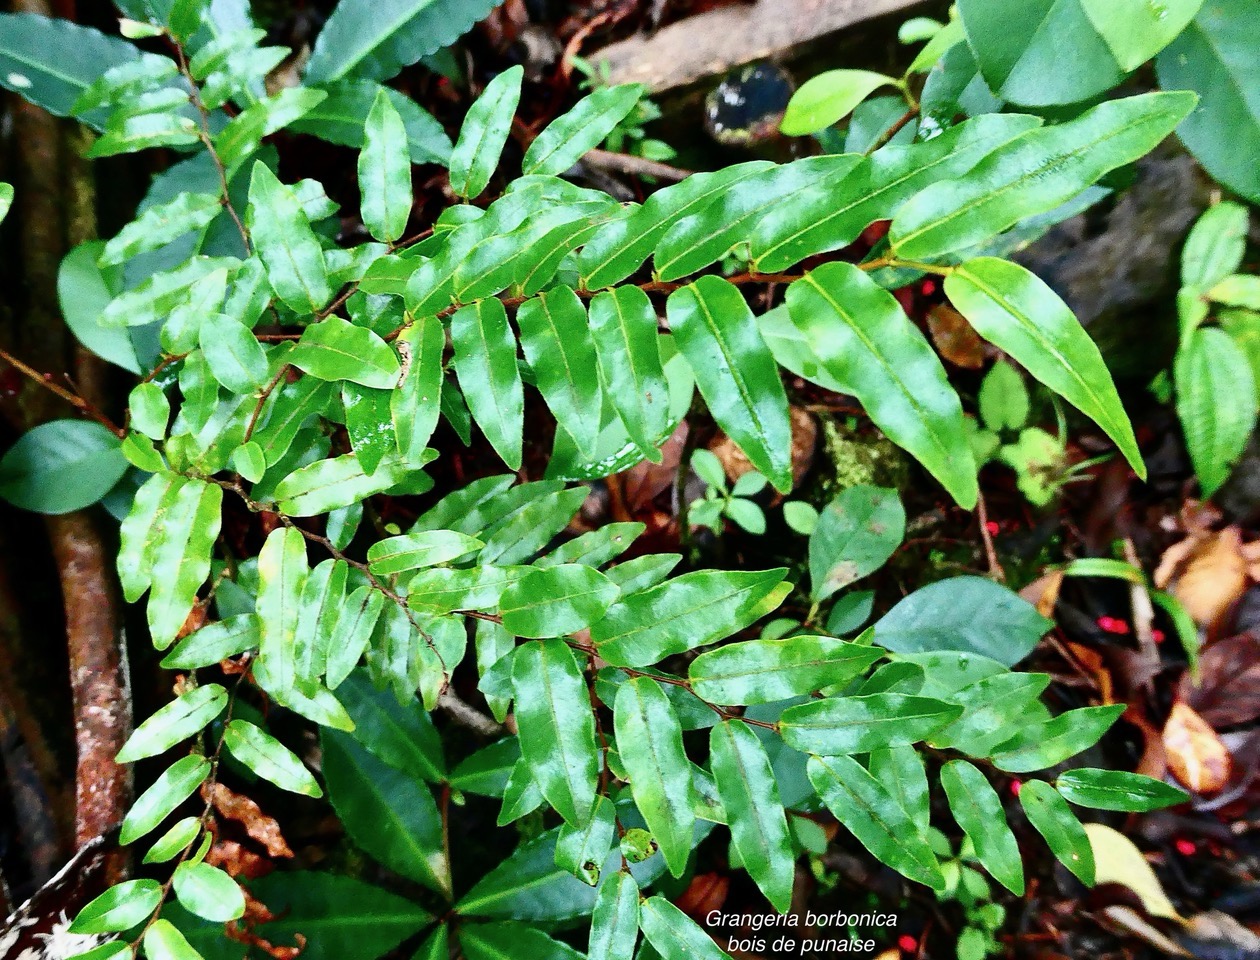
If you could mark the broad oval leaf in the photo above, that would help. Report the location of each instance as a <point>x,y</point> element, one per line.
<point>177,721</point>
<point>484,133</point>
<point>978,810</point>
<point>485,363</point>
<point>235,356</point>
<point>162,941</point>
<point>175,785</point>
<point>1050,814</point>
<point>119,908</point>
<point>335,349</point>
<point>61,466</point>
<point>1117,790</point>
<point>269,758</point>
<point>556,601</point>
<point>855,535</point>
<point>765,671</point>
<point>825,98</point>
<point>839,726</point>
<point>563,142</point>
<point>208,892</point>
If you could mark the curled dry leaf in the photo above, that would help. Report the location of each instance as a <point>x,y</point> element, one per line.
<point>1207,572</point>
<point>260,826</point>
<point>955,338</point>
<point>237,860</point>
<point>1228,692</point>
<point>1196,756</point>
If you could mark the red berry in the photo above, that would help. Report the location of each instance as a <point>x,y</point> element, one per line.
<point>907,943</point>
<point>1185,847</point>
<point>1158,636</point>
<point>928,288</point>
<point>992,527</point>
<point>1112,625</point>
<point>1016,786</point>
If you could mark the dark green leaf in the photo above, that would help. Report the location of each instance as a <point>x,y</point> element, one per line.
<point>1054,820</point>
<point>415,403</point>
<point>61,466</point>
<point>564,141</point>
<point>623,326</point>
<point>556,601</point>
<point>856,533</point>
<point>1117,790</point>
<point>979,812</point>
<point>845,725</point>
<point>342,115</point>
<point>506,941</point>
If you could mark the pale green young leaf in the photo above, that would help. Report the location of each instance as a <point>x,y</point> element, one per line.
<point>557,729</point>
<point>175,785</point>
<point>827,97</point>
<point>162,293</point>
<point>1216,403</point>
<point>323,595</point>
<point>415,403</point>
<point>556,601</point>
<point>337,482</point>
<point>175,841</point>
<point>412,551</point>
<point>176,721</point>
<point>485,363</point>
<point>162,941</point>
<point>208,892</point>
<point>1215,247</point>
<point>269,758</point>
<point>282,572</point>
<point>119,908</point>
<point>567,138</point>
<point>1136,30</point>
<point>649,740</point>
<point>1050,814</point>
<point>186,528</point>
<point>674,934</point>
<point>1237,290</point>
<point>484,133</point>
<point>864,339</point>
<point>284,240</point>
<point>978,810</point>
<point>764,671</point>
<point>615,919</point>
<point>385,172</point>
<point>901,771</point>
<point>150,410</point>
<point>235,356</point>
<point>335,349</point>
<point>160,224</point>
<point>623,326</point>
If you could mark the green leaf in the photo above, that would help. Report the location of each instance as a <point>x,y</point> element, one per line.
<point>341,118</point>
<point>615,920</point>
<point>967,614</point>
<point>675,935</point>
<point>1214,58</point>
<point>1034,173</point>
<point>1054,741</point>
<point>556,601</point>
<point>1135,30</point>
<point>623,327</point>
<point>875,818</point>
<point>978,810</point>
<point>865,340</point>
<point>389,813</point>
<point>400,734</point>
<point>567,138</point>
<point>1016,311</point>
<point>139,532</point>
<point>764,671</point>
<point>374,39</point>
<point>856,534</point>
<point>437,946</point>
<point>825,98</point>
<point>175,785</point>
<point>61,466</point>
<point>1215,247</point>
<point>337,482</point>
<point>505,941</point>
<point>684,613</point>
<point>1216,403</point>
<point>177,721</point>
<point>1237,290</point>
<point>901,771</point>
<point>582,851</point>
<point>484,133</point>
<point>595,548</point>
<point>282,573</point>
<point>649,739</point>
<point>163,942</point>
<point>119,908</point>
<point>269,758</point>
<point>235,356</point>
<point>441,590</point>
<point>175,841</point>
<point>557,729</point>
<point>843,725</point>
<point>84,290</point>
<point>385,172</point>
<point>1054,820</point>
<point>160,224</point>
<point>162,293</point>
<point>557,343</point>
<point>150,410</point>
<point>996,709</point>
<point>1117,790</point>
<point>335,349</point>
<point>415,403</point>
<point>412,551</point>
<point>214,642</point>
<point>1004,400</point>
<point>208,892</point>
<point>243,136</point>
<point>485,363</point>
<point>178,546</point>
<point>750,796</point>
<point>737,376</point>
<point>284,241</point>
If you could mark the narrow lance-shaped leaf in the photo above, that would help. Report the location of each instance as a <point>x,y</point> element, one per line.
<point>763,671</point>
<point>181,557</point>
<point>557,730</point>
<point>736,374</point>
<point>336,482</point>
<point>556,601</point>
<point>415,404</point>
<point>385,172</point>
<point>485,363</point>
<point>1050,814</point>
<point>1117,790</point>
<point>615,920</point>
<point>649,738</point>
<point>178,720</point>
<point>582,851</point>
<point>844,725</point>
<point>978,810</point>
<point>564,141</point>
<point>674,934</point>
<point>282,572</point>
<point>160,224</point>
<point>323,593</point>
<point>139,531</point>
<point>484,133</point>
<point>900,770</point>
<point>269,758</point>
<point>175,785</point>
<point>864,339</point>
<point>284,240</point>
<point>623,327</point>
<point>750,796</point>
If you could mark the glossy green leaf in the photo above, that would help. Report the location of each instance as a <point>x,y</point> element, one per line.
<point>323,596</point>
<point>684,613</point>
<point>341,118</point>
<point>583,850</point>
<point>595,548</point>
<point>119,908</point>
<point>874,817</point>
<point>556,601</point>
<point>1136,30</point>
<point>843,725</point>
<point>176,721</point>
<point>1215,247</point>
<point>415,403</point>
<point>978,810</point>
<point>737,376</point>
<point>150,410</point>
<point>855,535</point>
<point>183,535</point>
<point>160,224</point>
<point>649,739</point>
<point>282,237</point>
<point>61,466</point>
<point>1054,741</point>
<point>139,532</point>
<point>241,139</point>
<point>335,349</point>
<point>385,172</point>
<point>485,363</point>
<point>162,941</point>
<point>556,340</point>
<point>557,730</point>
<point>175,841</point>
<point>615,919</point>
<point>1117,790</point>
<point>825,98</point>
<point>750,796</point>
<point>901,771</point>
<point>400,734</point>
<point>865,340</point>
<point>208,892</point>
<point>505,941</point>
<point>328,484</point>
<point>269,758</point>
<point>996,708</point>
<point>389,813</point>
<point>1049,813</point>
<point>282,573</point>
<point>764,671</point>
<point>623,326</point>
<point>1215,58</point>
<point>566,139</point>
<point>175,785</point>
<point>484,134</point>
<point>162,293</point>
<point>1216,403</point>
<point>675,935</point>
<point>965,614</point>
<point>235,356</point>
<point>1016,311</point>
<point>412,551</point>
<point>1033,174</point>
<point>84,290</point>
<point>441,590</point>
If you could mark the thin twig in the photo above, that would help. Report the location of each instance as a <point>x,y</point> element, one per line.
<point>995,566</point>
<point>634,166</point>
<point>72,398</point>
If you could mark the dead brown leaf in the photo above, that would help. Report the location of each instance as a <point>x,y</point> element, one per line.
<point>643,482</point>
<point>706,893</point>
<point>1196,756</point>
<point>955,338</point>
<point>1207,572</point>
<point>237,860</point>
<point>1228,693</point>
<point>1043,593</point>
<point>260,826</point>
